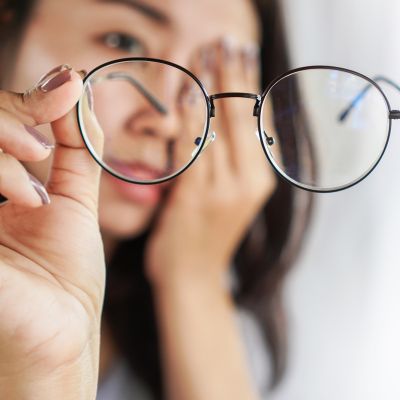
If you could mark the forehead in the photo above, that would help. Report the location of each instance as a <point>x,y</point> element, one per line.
<point>210,15</point>
<point>190,19</point>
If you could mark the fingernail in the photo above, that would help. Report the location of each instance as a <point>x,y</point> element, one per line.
<point>54,71</point>
<point>39,137</point>
<point>40,189</point>
<point>227,45</point>
<point>56,82</point>
<point>192,95</point>
<point>251,54</point>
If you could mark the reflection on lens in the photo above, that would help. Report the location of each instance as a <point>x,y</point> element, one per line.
<point>330,128</point>
<point>154,117</point>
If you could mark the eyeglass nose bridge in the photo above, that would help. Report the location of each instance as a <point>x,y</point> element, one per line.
<point>394,114</point>
<point>256,97</point>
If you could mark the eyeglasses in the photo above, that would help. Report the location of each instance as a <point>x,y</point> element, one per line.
<point>328,129</point>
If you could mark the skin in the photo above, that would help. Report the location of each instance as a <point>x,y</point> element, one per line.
<point>56,251</point>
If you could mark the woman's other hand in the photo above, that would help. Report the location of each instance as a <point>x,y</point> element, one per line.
<point>209,210</point>
<point>51,255</point>
<point>212,204</point>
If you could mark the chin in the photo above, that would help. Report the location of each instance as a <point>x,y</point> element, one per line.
<point>122,221</point>
<point>120,217</point>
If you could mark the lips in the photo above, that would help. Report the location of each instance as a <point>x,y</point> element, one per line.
<point>135,170</point>
<point>142,194</point>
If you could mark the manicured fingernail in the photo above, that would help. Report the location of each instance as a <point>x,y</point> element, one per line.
<point>227,45</point>
<point>40,189</point>
<point>251,54</point>
<point>192,95</point>
<point>39,137</point>
<point>51,73</point>
<point>56,81</point>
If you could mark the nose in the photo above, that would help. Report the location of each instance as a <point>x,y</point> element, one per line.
<point>160,111</point>
<point>150,121</point>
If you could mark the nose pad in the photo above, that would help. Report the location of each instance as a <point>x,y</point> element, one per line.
<point>270,139</point>
<point>208,141</point>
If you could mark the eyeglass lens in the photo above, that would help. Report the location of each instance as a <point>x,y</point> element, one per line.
<point>154,118</point>
<point>316,144</point>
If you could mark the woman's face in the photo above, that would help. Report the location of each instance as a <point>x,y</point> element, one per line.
<point>86,33</point>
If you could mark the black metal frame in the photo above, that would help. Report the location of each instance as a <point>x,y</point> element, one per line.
<point>259,102</point>
<point>145,59</point>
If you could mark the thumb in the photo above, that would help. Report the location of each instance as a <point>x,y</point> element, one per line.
<point>74,173</point>
<point>55,94</point>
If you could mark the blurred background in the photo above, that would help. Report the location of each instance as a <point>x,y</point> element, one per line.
<point>343,297</point>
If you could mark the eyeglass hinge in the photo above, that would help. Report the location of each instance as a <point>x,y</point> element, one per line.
<point>212,108</point>
<point>394,114</point>
<point>256,109</point>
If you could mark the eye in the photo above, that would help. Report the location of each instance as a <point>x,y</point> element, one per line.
<point>123,42</point>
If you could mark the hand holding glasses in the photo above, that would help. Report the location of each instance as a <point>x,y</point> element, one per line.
<point>328,130</point>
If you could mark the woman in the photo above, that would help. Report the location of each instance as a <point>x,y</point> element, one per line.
<point>168,250</point>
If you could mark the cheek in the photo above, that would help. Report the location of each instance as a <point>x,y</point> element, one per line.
<point>113,111</point>
<point>36,57</point>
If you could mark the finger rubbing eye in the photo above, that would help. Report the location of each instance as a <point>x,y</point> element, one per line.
<point>228,48</point>
<point>208,58</point>
<point>251,54</point>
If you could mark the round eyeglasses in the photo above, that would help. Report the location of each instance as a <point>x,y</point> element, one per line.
<point>322,128</point>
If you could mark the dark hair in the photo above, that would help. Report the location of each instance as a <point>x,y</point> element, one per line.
<point>261,262</point>
<point>13,17</point>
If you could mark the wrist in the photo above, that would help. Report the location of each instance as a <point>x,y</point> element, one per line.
<point>197,278</point>
<point>192,291</point>
<point>73,380</point>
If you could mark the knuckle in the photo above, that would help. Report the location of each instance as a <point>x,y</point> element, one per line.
<point>255,189</point>
<point>7,160</point>
<point>13,102</point>
<point>15,140</point>
<point>23,106</point>
<point>14,182</point>
<point>30,108</point>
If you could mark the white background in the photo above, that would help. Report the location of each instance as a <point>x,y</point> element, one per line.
<point>344,296</point>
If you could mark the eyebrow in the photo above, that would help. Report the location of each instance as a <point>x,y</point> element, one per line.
<point>143,8</point>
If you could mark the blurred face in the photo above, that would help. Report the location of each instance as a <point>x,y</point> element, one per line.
<point>86,33</point>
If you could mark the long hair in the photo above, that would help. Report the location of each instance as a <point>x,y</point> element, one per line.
<point>261,262</point>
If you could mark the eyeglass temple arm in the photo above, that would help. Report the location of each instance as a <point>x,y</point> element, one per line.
<point>343,115</point>
<point>151,99</point>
